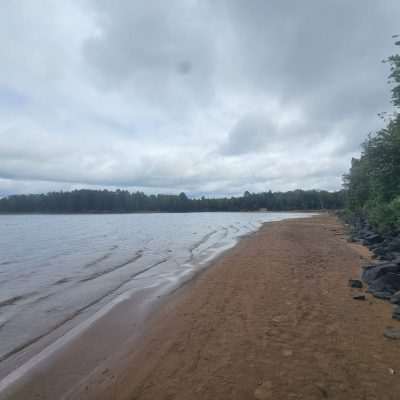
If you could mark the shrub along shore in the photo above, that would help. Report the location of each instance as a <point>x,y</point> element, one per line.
<point>373,200</point>
<point>373,182</point>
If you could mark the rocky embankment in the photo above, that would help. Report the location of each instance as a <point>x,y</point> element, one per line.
<point>383,275</point>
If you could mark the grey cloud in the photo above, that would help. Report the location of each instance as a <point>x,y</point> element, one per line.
<point>323,55</point>
<point>161,51</point>
<point>206,96</point>
<point>250,134</point>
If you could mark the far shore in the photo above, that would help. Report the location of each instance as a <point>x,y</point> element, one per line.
<point>273,318</point>
<point>161,212</point>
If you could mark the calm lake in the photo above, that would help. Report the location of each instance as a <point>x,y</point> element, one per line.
<point>56,268</point>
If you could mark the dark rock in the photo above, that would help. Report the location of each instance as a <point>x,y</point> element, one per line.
<point>390,256</point>
<point>374,271</point>
<point>381,295</point>
<point>396,259</point>
<point>388,282</point>
<point>355,283</point>
<point>392,333</point>
<point>393,245</point>
<point>380,250</point>
<point>395,299</point>
<point>374,246</point>
<point>359,297</point>
<point>373,238</point>
<point>396,313</point>
<point>382,277</point>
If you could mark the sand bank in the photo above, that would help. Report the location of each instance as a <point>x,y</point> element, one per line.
<point>273,318</point>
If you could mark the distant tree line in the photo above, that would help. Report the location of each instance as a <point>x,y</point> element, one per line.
<point>373,182</point>
<point>100,201</point>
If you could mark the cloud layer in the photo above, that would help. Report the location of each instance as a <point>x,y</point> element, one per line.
<point>209,97</point>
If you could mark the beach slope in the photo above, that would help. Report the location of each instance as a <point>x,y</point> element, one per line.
<point>273,318</point>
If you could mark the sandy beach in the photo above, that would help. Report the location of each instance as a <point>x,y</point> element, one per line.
<point>273,318</point>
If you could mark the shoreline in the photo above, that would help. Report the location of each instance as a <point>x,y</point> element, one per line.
<point>165,212</point>
<point>270,318</point>
<point>57,346</point>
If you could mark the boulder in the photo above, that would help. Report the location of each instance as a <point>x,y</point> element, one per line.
<point>395,299</point>
<point>374,271</point>
<point>396,313</point>
<point>394,245</point>
<point>396,259</point>
<point>355,283</point>
<point>381,295</point>
<point>387,282</point>
<point>373,238</point>
<point>390,257</point>
<point>380,250</point>
<point>374,246</point>
<point>392,333</point>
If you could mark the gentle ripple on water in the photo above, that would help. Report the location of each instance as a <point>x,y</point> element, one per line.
<point>54,267</point>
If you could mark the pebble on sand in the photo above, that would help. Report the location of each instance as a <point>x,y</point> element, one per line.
<point>355,283</point>
<point>392,333</point>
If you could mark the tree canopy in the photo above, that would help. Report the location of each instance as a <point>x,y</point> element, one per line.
<point>84,201</point>
<point>373,183</point>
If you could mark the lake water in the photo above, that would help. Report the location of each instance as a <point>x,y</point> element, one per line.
<point>54,268</point>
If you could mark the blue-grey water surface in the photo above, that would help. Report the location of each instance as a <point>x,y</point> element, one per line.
<point>55,267</point>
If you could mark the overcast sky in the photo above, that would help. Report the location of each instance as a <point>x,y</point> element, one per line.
<point>207,97</point>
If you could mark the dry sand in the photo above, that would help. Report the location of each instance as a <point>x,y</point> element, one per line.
<point>274,318</point>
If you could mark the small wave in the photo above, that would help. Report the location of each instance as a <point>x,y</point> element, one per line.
<point>62,280</point>
<point>3,323</point>
<point>148,268</point>
<point>225,234</point>
<point>235,228</point>
<point>10,301</point>
<point>28,275</point>
<point>98,260</point>
<point>7,262</point>
<point>35,339</point>
<point>41,298</point>
<point>223,231</point>
<point>98,274</point>
<point>88,265</point>
<point>196,245</point>
<point>15,299</point>
<point>76,313</point>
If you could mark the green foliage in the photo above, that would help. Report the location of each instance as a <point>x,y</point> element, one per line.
<point>394,77</point>
<point>357,184</point>
<point>395,210</point>
<point>380,216</point>
<point>84,201</point>
<point>373,183</point>
<point>385,217</point>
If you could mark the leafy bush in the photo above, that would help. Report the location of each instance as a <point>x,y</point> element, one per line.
<point>373,183</point>
<point>395,209</point>
<point>381,217</point>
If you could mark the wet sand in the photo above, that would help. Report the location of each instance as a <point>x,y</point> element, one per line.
<point>273,318</point>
